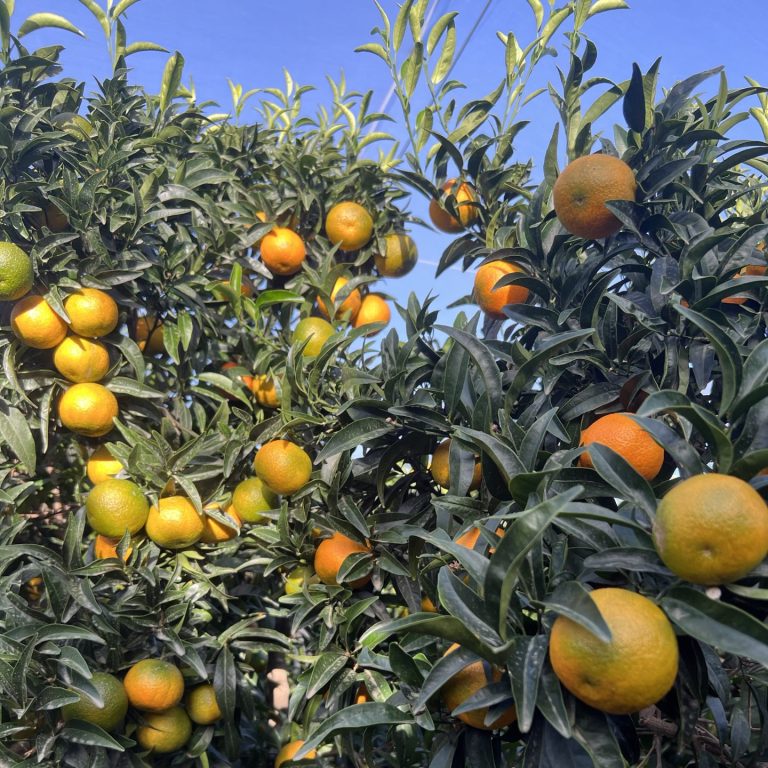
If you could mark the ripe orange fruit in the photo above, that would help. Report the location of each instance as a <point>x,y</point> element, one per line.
<point>116,506</point>
<point>756,270</point>
<point>349,225</point>
<point>110,714</point>
<point>331,554</point>
<point>88,409</point>
<point>317,330</point>
<point>632,671</point>
<point>469,538</point>
<point>373,309</point>
<point>441,470</point>
<point>79,359</point>
<point>711,529</point>
<point>492,300</point>
<point>348,308</point>
<point>625,436</point>
<point>251,498</point>
<point>427,605</point>
<point>92,313</point>
<point>149,335</point>
<point>399,257</point>
<point>163,732</point>
<point>16,273</point>
<point>215,532</point>
<point>154,685</point>
<point>283,466</point>
<point>447,222</point>
<point>283,251</point>
<point>289,750</point>
<point>201,705</point>
<point>101,465</point>
<point>466,683</point>
<point>583,188</point>
<point>265,391</point>
<point>104,548</point>
<point>174,523</point>
<point>36,324</point>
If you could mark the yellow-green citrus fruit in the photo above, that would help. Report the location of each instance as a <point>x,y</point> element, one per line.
<point>154,685</point>
<point>164,732</point>
<point>174,523</point>
<point>317,330</point>
<point>116,506</point>
<point>252,498</point>
<point>101,465</point>
<point>283,466</point>
<point>16,274</point>
<point>92,313</point>
<point>399,257</point>
<point>202,706</point>
<point>88,409</point>
<point>110,714</point>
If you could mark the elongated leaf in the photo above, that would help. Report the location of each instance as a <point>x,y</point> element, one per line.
<point>16,434</point>
<point>143,46</point>
<point>352,435</point>
<point>722,626</point>
<point>634,101</point>
<point>225,682</point>
<point>45,21</point>
<point>99,14</point>
<point>80,732</point>
<point>573,600</point>
<point>525,665</point>
<point>121,7</point>
<point>171,80</point>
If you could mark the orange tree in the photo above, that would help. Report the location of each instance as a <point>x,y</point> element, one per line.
<point>598,599</point>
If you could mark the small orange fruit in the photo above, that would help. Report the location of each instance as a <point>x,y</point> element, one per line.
<point>92,313</point>
<point>492,300</point>
<point>88,409</point>
<point>632,671</point>
<point>427,605</point>
<point>349,225</point>
<point>16,272</point>
<point>756,270</point>
<point>399,257</point>
<point>626,437</point>
<point>348,308</point>
<point>440,468</point>
<point>711,529</point>
<point>582,190</point>
<point>465,684</point>
<point>266,391</point>
<point>289,750</point>
<point>331,554</point>
<point>215,532</point>
<point>154,685</point>
<point>36,324</point>
<point>283,251</point>
<point>164,732</point>
<point>252,498</point>
<point>105,548</point>
<point>283,466</point>
<point>108,715</point>
<point>464,196</point>
<point>79,359</point>
<point>317,330</point>
<point>149,335</point>
<point>116,506</point>
<point>373,309</point>
<point>101,465</point>
<point>469,538</point>
<point>202,706</point>
<point>174,523</point>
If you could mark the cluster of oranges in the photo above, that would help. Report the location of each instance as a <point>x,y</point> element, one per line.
<point>154,688</point>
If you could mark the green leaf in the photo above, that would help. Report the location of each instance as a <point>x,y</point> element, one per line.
<point>443,670</point>
<point>324,669</point>
<point>225,682</point>
<point>5,27</point>
<point>573,600</point>
<point>46,21</point>
<point>142,46</point>
<point>99,14</point>
<point>554,21</point>
<point>600,6</point>
<point>16,434</point>
<point>80,732</point>
<point>438,29</point>
<point>525,665</point>
<point>538,12</point>
<point>725,627</point>
<point>634,101</point>
<point>354,434</point>
<point>445,59</point>
<point>171,80</point>
<point>353,718</point>
<point>122,7</point>
<point>375,48</point>
<point>52,697</point>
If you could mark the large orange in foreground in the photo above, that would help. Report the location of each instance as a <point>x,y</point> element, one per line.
<point>711,529</point>
<point>582,190</point>
<point>88,409</point>
<point>632,671</point>
<point>154,685</point>
<point>349,225</point>
<point>283,466</point>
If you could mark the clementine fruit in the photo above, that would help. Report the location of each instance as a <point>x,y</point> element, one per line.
<point>283,251</point>
<point>252,498</point>
<point>331,554</point>
<point>113,709</point>
<point>289,750</point>
<point>373,309</point>
<point>164,732</point>
<point>266,391</point>
<point>101,465</point>
<point>105,548</point>
<point>79,359</point>
<point>88,409</point>
<point>202,706</point>
<point>348,308</point>
<point>349,226</point>
<point>317,330</point>
<point>116,506</point>
<point>36,324</point>
<point>92,313</point>
<point>154,685</point>
<point>174,523</point>
<point>464,196</point>
<point>399,257</point>
<point>492,300</point>
<point>215,532</point>
<point>149,335</point>
<point>283,466</point>
<point>440,468</point>
<point>16,272</point>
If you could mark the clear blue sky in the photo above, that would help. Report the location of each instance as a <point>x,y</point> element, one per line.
<point>250,41</point>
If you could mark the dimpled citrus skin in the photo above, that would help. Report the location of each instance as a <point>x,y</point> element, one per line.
<point>465,684</point>
<point>16,273</point>
<point>626,437</point>
<point>34,322</point>
<point>154,685</point>
<point>92,313</point>
<point>88,409</point>
<point>283,251</point>
<point>283,466</point>
<point>445,221</point>
<point>116,506</point>
<point>101,465</point>
<point>174,523</point>
<point>80,360</point>
<point>317,330</point>
<point>441,471</point>
<point>331,554</point>
<point>289,750</point>
<point>164,732</point>
<point>111,714</point>
<point>711,529</point>
<point>491,299</point>
<point>399,257</point>
<point>251,497</point>
<point>349,225</point>
<point>632,671</point>
<point>582,189</point>
<point>202,706</point>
